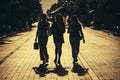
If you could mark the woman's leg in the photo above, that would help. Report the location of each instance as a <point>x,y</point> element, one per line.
<point>46,54</point>
<point>41,45</point>
<point>72,43</point>
<point>41,53</point>
<point>42,57</point>
<point>75,48</point>
<point>45,50</point>
<point>77,45</point>
<point>56,51</point>
<point>59,52</point>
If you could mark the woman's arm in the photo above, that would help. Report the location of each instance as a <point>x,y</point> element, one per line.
<point>81,31</point>
<point>52,28</point>
<point>69,29</point>
<point>63,28</point>
<point>37,32</point>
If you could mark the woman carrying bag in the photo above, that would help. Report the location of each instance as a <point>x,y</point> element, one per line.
<point>42,37</point>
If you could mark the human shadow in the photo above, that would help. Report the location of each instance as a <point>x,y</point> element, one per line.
<point>60,70</point>
<point>5,40</point>
<point>79,69</point>
<point>41,70</point>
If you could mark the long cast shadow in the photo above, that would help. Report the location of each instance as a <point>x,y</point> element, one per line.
<point>79,69</point>
<point>42,70</point>
<point>60,70</point>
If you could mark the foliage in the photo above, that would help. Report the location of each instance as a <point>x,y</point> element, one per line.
<point>15,13</point>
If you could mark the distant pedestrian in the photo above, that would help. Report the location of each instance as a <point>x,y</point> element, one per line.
<point>30,23</point>
<point>58,30</point>
<point>42,36</point>
<point>76,34</point>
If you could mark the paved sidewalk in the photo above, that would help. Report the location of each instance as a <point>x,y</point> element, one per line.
<point>100,53</point>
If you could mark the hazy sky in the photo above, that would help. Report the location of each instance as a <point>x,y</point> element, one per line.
<point>46,4</point>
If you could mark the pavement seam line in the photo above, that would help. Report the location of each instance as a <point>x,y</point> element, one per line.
<point>3,60</point>
<point>93,76</point>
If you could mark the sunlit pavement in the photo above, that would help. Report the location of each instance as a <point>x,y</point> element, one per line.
<point>100,53</point>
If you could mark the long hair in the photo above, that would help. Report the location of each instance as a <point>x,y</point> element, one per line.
<point>59,18</point>
<point>59,22</point>
<point>74,18</point>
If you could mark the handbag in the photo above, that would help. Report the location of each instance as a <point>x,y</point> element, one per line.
<point>79,37</point>
<point>35,45</point>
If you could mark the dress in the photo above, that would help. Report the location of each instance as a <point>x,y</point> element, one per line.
<point>58,30</point>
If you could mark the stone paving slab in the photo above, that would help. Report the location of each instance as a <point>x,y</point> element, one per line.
<point>100,54</point>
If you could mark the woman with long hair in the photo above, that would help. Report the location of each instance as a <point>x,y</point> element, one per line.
<point>58,30</point>
<point>76,35</point>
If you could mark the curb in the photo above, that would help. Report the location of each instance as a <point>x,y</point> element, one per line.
<point>11,33</point>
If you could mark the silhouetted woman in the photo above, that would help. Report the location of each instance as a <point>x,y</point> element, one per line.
<point>76,34</point>
<point>58,29</point>
<point>42,36</point>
